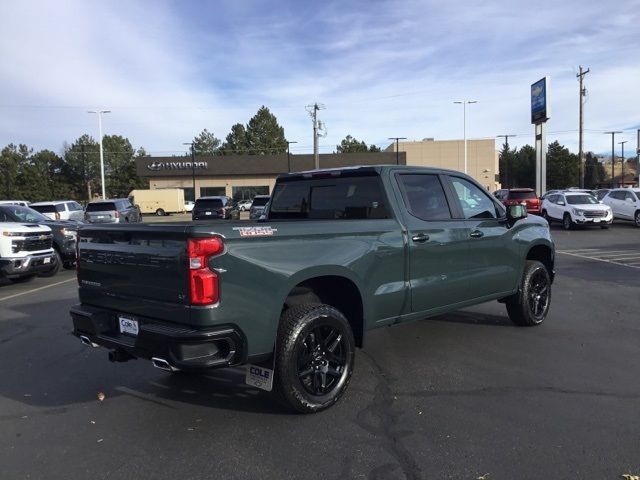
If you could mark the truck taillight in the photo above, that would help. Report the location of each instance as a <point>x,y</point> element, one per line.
<point>203,283</point>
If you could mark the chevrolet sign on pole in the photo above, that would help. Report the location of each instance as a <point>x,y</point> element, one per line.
<point>539,116</point>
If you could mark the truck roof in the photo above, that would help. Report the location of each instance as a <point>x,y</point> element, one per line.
<point>358,170</point>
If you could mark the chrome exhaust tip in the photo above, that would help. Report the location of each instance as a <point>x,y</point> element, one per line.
<point>85,340</point>
<point>162,364</point>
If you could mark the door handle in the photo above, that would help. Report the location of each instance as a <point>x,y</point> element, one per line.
<point>476,234</point>
<point>420,238</point>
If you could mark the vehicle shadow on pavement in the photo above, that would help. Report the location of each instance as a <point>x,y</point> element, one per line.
<point>65,372</point>
<point>475,318</point>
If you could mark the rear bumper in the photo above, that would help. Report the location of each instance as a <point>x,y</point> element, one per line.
<point>183,347</point>
<point>29,265</point>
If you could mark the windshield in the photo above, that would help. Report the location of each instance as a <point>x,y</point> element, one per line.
<point>521,195</point>
<point>16,213</point>
<point>581,200</point>
<point>260,201</point>
<point>47,208</point>
<point>101,207</point>
<point>212,203</point>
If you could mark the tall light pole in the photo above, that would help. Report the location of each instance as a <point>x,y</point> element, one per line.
<point>464,128</point>
<point>506,160</point>
<point>99,113</point>
<point>193,168</point>
<point>622,143</point>
<point>289,156</point>
<point>583,93</point>
<point>397,139</point>
<point>613,154</point>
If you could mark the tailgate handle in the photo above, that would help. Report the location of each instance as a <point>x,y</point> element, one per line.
<point>420,238</point>
<point>477,234</point>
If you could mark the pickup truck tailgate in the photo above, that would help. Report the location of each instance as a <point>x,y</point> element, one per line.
<point>135,269</point>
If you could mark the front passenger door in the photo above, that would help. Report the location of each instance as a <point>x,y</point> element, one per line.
<point>494,261</point>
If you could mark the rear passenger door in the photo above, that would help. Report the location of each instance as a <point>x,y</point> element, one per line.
<point>437,243</point>
<point>493,257</point>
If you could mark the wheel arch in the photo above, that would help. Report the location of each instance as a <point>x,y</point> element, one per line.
<point>544,254</point>
<point>336,290</point>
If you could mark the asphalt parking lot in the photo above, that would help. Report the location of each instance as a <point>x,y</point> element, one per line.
<point>462,396</point>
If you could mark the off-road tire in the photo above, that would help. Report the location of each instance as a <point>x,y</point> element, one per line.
<point>523,309</point>
<point>56,268</point>
<point>297,325</point>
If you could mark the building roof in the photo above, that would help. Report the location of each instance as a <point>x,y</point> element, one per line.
<point>226,165</point>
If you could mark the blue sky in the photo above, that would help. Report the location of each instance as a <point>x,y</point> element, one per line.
<point>169,69</point>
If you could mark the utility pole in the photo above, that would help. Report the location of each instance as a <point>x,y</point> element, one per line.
<point>622,143</point>
<point>397,139</point>
<point>464,128</point>
<point>638,157</point>
<point>613,154</point>
<point>289,156</point>
<point>506,160</point>
<point>84,173</point>
<point>313,111</point>
<point>583,93</point>
<point>99,113</point>
<point>193,168</point>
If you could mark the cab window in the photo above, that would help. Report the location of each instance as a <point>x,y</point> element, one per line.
<point>475,203</point>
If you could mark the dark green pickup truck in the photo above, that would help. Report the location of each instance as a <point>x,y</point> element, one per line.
<point>336,254</point>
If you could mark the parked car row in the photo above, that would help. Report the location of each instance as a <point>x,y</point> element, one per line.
<point>33,244</point>
<point>576,206</point>
<point>225,208</point>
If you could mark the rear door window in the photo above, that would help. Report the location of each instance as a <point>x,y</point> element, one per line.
<point>424,196</point>
<point>340,198</point>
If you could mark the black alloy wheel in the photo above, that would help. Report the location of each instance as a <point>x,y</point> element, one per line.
<point>315,354</point>
<point>539,295</point>
<point>567,223</point>
<point>530,306</point>
<point>321,360</point>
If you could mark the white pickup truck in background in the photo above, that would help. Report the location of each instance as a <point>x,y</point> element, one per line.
<point>25,250</point>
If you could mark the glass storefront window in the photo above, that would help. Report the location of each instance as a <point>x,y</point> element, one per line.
<point>188,194</point>
<point>212,191</point>
<point>247,193</point>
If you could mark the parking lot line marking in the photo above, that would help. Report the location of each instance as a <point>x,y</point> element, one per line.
<point>9,297</point>
<point>597,259</point>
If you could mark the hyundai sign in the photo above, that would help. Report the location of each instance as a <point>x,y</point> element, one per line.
<point>540,101</point>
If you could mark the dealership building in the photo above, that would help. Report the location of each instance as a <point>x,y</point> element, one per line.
<point>244,176</point>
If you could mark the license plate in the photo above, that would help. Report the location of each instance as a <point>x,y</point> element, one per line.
<point>596,220</point>
<point>46,260</point>
<point>128,325</point>
<point>207,213</point>
<point>259,377</point>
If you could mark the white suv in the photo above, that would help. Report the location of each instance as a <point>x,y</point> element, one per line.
<point>60,210</point>
<point>576,208</point>
<point>25,250</point>
<point>625,203</point>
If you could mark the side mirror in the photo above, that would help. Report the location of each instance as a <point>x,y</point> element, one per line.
<point>515,213</point>
<point>561,203</point>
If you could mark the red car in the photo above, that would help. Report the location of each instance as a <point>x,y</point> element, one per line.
<point>523,196</point>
